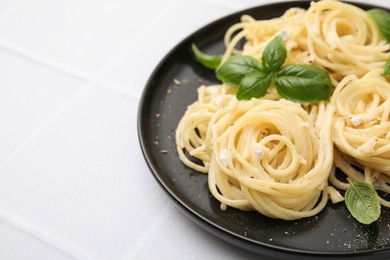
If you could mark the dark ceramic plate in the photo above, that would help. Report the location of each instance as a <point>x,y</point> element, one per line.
<point>331,233</point>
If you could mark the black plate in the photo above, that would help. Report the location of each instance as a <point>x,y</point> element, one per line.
<point>331,233</point>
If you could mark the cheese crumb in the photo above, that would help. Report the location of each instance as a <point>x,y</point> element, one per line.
<point>283,34</point>
<point>212,90</point>
<point>305,124</point>
<point>218,101</point>
<point>331,40</point>
<point>223,157</point>
<point>356,120</point>
<point>259,154</point>
<point>368,146</point>
<point>335,195</point>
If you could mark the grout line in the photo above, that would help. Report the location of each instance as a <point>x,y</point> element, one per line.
<point>28,228</point>
<point>142,240</point>
<point>51,118</point>
<point>96,79</point>
<point>61,245</point>
<point>84,89</point>
<point>120,90</point>
<point>34,58</point>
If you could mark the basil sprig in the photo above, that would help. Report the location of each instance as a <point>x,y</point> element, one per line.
<point>209,61</point>
<point>274,55</point>
<point>387,68</point>
<point>362,202</point>
<point>303,83</point>
<point>298,83</point>
<point>253,85</point>
<point>237,67</point>
<point>382,21</point>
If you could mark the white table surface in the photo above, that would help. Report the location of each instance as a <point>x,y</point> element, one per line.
<point>73,181</point>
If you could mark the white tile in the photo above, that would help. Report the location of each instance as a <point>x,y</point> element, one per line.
<point>7,5</point>
<point>133,69</point>
<point>374,2</point>
<point>29,93</point>
<point>188,241</point>
<point>79,35</point>
<point>87,183</point>
<point>11,240</point>
<point>241,4</point>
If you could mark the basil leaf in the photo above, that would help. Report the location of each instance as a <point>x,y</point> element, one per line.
<point>382,20</point>
<point>303,83</point>
<point>209,61</point>
<point>386,72</point>
<point>253,85</point>
<point>362,201</point>
<point>274,55</point>
<point>236,67</point>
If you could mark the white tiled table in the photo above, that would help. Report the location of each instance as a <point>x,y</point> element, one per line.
<point>73,182</point>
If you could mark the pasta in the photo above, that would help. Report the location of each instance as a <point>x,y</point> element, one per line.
<point>279,157</point>
<point>362,130</point>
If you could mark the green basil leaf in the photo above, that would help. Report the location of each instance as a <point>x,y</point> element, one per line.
<point>236,67</point>
<point>253,85</point>
<point>386,72</point>
<point>362,202</point>
<point>274,55</point>
<point>303,83</point>
<point>382,20</point>
<point>209,61</point>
